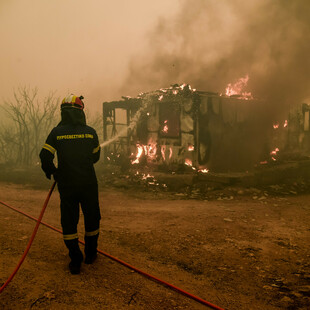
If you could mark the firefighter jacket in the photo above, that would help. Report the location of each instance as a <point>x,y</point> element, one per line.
<point>77,149</point>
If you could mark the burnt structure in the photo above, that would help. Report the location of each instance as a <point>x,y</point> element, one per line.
<point>178,127</point>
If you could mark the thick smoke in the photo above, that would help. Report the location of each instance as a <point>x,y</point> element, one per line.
<point>212,43</point>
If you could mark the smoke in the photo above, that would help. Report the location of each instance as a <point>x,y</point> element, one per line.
<point>91,48</point>
<point>211,43</point>
<point>73,46</point>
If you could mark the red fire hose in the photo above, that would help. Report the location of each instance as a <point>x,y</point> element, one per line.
<point>31,239</point>
<point>171,286</point>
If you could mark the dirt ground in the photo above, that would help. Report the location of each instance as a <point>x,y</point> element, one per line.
<point>244,252</point>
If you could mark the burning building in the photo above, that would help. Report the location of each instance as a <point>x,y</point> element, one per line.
<point>179,128</point>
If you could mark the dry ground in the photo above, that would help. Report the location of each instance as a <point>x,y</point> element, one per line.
<point>242,253</point>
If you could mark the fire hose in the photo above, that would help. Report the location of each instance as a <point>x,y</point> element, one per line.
<point>31,239</point>
<point>147,275</point>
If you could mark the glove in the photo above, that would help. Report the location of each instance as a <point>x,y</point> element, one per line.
<point>48,175</point>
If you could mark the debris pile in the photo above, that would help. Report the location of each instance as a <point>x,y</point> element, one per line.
<point>260,186</point>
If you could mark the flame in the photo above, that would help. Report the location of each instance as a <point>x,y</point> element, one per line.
<point>175,92</point>
<point>188,162</point>
<point>160,97</point>
<point>139,153</point>
<point>236,89</point>
<point>165,129</point>
<point>163,150</point>
<point>144,177</point>
<point>204,170</point>
<point>277,125</point>
<point>275,151</point>
<point>190,148</point>
<point>151,149</point>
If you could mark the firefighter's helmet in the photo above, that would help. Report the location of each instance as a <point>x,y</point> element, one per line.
<point>72,101</point>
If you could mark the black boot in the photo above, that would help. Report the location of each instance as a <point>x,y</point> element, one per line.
<point>91,248</point>
<point>75,255</point>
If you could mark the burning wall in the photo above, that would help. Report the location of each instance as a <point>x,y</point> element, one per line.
<point>179,127</point>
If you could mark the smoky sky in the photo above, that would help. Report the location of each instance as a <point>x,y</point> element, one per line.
<point>211,43</point>
<point>107,49</point>
<point>74,46</point>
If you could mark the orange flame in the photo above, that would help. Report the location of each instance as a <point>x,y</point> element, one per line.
<point>275,151</point>
<point>139,153</point>
<point>151,149</point>
<point>237,88</point>
<point>170,153</point>
<point>144,177</point>
<point>165,129</point>
<point>188,162</point>
<point>163,150</point>
<point>190,148</point>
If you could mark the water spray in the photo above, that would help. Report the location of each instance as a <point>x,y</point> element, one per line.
<point>131,126</point>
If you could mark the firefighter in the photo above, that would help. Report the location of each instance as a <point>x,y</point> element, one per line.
<point>77,148</point>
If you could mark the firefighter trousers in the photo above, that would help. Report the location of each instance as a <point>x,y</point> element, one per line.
<point>71,198</point>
